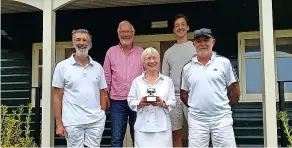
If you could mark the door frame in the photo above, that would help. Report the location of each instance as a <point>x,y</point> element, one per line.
<point>158,37</point>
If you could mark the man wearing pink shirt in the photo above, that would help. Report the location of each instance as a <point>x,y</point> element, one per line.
<point>121,66</point>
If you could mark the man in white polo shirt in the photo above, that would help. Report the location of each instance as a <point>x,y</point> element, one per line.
<point>79,95</point>
<point>209,85</point>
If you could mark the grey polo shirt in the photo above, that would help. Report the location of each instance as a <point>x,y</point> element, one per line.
<point>173,61</point>
<point>207,86</point>
<point>82,85</point>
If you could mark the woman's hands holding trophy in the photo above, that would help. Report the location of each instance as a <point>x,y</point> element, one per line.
<point>158,102</point>
<point>143,102</point>
<point>151,99</point>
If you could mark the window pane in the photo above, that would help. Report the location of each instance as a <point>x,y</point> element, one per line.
<point>40,57</point>
<point>284,45</point>
<point>69,52</point>
<point>253,76</point>
<point>253,66</point>
<point>284,73</point>
<point>252,47</point>
<point>40,76</point>
<point>40,81</point>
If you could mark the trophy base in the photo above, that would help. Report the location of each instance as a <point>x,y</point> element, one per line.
<point>151,99</point>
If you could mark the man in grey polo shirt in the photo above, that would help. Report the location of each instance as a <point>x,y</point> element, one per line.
<point>173,61</point>
<point>209,85</point>
<point>79,95</point>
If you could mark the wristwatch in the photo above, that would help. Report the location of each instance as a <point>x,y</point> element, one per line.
<point>163,104</point>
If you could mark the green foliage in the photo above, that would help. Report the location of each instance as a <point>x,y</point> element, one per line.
<point>284,118</point>
<point>11,133</point>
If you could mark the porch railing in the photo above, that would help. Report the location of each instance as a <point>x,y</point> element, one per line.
<point>281,86</point>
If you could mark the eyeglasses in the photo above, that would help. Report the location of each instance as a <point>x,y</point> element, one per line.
<point>125,32</point>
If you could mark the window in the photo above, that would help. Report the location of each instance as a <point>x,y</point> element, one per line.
<point>250,63</point>
<point>63,51</point>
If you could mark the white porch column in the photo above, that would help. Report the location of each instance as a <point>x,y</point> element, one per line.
<point>269,76</point>
<point>48,124</point>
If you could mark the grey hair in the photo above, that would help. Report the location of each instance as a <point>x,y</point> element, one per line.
<point>125,22</point>
<point>82,31</point>
<point>149,52</point>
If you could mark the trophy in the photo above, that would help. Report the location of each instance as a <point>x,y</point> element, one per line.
<point>151,97</point>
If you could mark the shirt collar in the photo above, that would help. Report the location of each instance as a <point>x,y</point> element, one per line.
<point>73,61</point>
<point>132,49</point>
<point>160,76</point>
<point>195,58</point>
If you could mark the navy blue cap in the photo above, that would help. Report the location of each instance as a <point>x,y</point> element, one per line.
<point>203,32</point>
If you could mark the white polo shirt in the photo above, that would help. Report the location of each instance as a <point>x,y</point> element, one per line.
<point>207,86</point>
<point>81,98</point>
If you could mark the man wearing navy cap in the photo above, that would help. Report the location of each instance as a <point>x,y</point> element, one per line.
<point>209,85</point>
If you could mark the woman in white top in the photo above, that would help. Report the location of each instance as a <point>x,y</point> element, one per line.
<point>152,126</point>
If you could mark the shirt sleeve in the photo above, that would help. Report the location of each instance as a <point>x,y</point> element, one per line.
<point>102,84</point>
<point>165,65</point>
<point>107,70</point>
<point>230,74</point>
<point>142,64</point>
<point>58,77</point>
<point>184,82</point>
<point>133,100</point>
<point>171,101</point>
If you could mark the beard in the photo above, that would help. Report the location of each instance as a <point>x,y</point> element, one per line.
<point>81,51</point>
<point>204,53</point>
<point>127,41</point>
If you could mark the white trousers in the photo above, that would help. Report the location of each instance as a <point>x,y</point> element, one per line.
<point>220,130</point>
<point>85,134</point>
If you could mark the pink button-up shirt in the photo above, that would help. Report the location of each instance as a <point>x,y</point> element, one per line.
<point>121,69</point>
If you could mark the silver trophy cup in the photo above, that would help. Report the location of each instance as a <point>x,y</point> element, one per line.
<point>151,97</point>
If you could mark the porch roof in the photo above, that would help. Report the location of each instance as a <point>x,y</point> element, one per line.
<point>12,6</point>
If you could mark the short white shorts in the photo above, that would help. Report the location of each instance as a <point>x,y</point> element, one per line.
<point>85,134</point>
<point>177,115</point>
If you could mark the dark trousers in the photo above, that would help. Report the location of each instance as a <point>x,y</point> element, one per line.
<point>120,113</point>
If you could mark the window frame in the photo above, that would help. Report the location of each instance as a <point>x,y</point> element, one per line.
<point>59,56</point>
<point>242,37</point>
